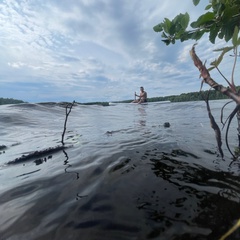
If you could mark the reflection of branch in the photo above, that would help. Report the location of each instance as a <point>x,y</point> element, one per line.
<point>68,165</point>
<point>66,162</point>
<point>230,117</point>
<point>68,110</point>
<point>214,125</point>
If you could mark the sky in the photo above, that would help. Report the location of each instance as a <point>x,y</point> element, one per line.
<point>95,50</point>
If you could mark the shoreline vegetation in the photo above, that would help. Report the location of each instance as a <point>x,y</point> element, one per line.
<point>184,97</point>
<point>10,101</point>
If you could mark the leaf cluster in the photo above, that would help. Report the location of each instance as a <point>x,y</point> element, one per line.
<point>220,20</point>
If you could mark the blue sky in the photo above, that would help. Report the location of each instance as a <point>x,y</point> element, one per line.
<point>95,50</point>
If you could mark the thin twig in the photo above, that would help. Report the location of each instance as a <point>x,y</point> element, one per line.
<point>234,228</point>
<point>234,66</point>
<point>230,85</point>
<point>68,110</point>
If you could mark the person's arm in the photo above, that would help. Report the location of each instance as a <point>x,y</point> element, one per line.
<point>144,95</point>
<point>141,96</point>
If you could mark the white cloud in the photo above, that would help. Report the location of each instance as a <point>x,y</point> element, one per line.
<point>16,65</point>
<point>93,50</point>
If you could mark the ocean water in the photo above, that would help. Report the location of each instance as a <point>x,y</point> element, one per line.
<point>122,174</point>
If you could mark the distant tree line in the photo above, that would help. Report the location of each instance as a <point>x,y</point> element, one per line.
<point>186,97</point>
<point>192,96</point>
<point>96,103</point>
<point>9,101</point>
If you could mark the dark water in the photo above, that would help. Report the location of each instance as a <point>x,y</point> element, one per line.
<point>123,174</point>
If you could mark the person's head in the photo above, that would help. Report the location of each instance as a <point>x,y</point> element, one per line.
<point>141,89</point>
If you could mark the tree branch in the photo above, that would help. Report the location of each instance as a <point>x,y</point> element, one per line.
<point>207,78</point>
<point>68,110</point>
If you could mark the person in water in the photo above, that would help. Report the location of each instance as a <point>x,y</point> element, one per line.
<point>142,97</point>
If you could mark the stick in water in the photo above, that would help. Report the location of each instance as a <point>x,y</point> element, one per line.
<point>68,110</point>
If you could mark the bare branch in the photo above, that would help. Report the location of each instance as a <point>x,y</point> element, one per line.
<point>230,85</point>
<point>234,66</point>
<point>68,110</point>
<point>207,78</point>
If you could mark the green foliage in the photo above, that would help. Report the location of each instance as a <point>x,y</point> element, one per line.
<point>221,21</point>
<point>173,30</point>
<point>196,2</point>
<point>186,97</point>
<point>97,103</point>
<point>220,58</point>
<point>192,96</point>
<point>9,101</point>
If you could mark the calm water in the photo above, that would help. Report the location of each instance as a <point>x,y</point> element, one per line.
<point>123,174</point>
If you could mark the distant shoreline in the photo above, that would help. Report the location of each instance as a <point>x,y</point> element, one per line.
<point>184,97</point>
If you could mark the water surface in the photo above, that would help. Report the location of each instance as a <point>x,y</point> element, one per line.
<point>122,175</point>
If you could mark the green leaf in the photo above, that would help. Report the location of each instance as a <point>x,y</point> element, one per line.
<point>208,7</point>
<point>235,36</point>
<point>211,68</point>
<point>213,33</point>
<point>228,21</point>
<point>179,25</point>
<point>167,42</point>
<point>196,35</point>
<point>203,20</point>
<point>221,35</point>
<point>227,49</point>
<point>220,58</point>
<point>196,2</point>
<point>184,21</point>
<point>158,28</point>
<point>228,30</point>
<point>167,25</point>
<point>164,35</point>
<point>219,19</point>
<point>185,36</point>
